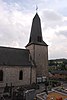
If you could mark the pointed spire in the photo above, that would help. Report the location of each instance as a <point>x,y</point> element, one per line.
<point>36,32</point>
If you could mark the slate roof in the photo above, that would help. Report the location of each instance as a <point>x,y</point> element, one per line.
<point>64,72</point>
<point>36,32</point>
<point>14,57</point>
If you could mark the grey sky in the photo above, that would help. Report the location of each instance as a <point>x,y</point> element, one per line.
<point>16,19</point>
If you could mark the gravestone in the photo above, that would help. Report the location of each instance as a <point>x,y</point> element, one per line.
<point>30,94</point>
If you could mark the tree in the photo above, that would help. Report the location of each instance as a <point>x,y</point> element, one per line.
<point>63,66</point>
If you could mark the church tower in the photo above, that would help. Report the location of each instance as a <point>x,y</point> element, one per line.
<point>38,48</point>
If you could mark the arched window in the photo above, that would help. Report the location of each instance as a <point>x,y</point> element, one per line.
<point>21,75</point>
<point>1,75</point>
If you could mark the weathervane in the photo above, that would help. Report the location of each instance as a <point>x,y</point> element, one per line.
<point>36,8</point>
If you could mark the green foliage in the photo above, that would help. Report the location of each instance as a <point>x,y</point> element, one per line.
<point>54,83</point>
<point>63,66</point>
<point>58,64</point>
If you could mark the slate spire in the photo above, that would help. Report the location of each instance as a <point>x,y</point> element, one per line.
<point>36,32</point>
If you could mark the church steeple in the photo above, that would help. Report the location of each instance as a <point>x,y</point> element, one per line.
<point>38,48</point>
<point>36,32</point>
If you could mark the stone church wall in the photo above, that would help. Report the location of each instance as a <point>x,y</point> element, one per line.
<point>41,59</point>
<point>31,49</point>
<point>39,54</point>
<point>34,75</point>
<point>11,75</point>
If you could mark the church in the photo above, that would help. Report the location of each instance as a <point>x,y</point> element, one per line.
<point>23,66</point>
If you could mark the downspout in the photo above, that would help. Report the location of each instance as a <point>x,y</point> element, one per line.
<point>31,74</point>
<point>34,53</point>
<point>34,59</point>
<point>30,59</point>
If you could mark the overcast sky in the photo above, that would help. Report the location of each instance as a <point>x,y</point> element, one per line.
<point>16,19</point>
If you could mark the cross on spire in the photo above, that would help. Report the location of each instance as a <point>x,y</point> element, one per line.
<point>36,8</point>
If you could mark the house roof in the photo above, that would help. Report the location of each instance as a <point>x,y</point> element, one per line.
<point>36,32</point>
<point>59,72</point>
<point>14,57</point>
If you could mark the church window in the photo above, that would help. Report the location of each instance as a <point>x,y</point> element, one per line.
<point>21,75</point>
<point>1,75</point>
<point>39,39</point>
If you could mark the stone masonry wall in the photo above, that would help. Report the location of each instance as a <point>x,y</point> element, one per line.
<point>40,55</point>
<point>41,59</point>
<point>11,75</point>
